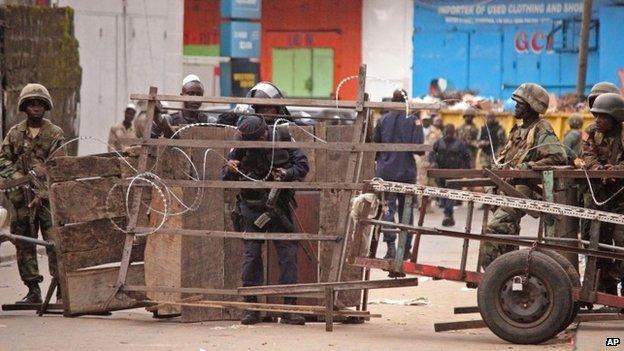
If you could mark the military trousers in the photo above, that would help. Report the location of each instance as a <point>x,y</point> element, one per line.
<point>611,271</point>
<point>504,221</point>
<point>253,266</point>
<point>26,252</point>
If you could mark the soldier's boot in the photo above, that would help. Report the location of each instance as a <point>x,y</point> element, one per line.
<point>292,318</point>
<point>448,221</point>
<point>250,317</point>
<point>391,252</point>
<point>33,295</point>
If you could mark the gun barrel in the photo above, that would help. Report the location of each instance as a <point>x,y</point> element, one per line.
<point>28,239</point>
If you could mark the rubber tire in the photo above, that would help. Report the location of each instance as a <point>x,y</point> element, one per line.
<point>575,279</point>
<point>549,272</point>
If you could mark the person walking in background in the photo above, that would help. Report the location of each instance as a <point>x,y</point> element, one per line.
<point>449,153</point>
<point>396,127</point>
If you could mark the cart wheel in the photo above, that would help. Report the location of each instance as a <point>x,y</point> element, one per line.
<point>575,279</point>
<point>534,314</point>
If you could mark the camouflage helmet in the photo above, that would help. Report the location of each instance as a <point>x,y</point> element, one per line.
<point>534,95</point>
<point>34,91</point>
<point>575,121</point>
<point>601,88</point>
<point>610,104</point>
<point>469,112</point>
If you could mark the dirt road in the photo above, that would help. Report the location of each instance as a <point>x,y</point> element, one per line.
<point>400,328</point>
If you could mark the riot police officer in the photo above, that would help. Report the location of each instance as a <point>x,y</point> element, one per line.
<point>264,210</point>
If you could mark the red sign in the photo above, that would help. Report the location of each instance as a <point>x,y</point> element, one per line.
<point>535,42</point>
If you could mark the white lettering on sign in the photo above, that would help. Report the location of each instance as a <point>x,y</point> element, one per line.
<point>247,2</point>
<point>245,45</point>
<point>518,13</point>
<point>240,35</point>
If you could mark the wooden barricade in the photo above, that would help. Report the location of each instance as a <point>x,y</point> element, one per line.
<point>197,255</point>
<point>84,206</point>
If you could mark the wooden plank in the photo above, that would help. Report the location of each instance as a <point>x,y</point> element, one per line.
<point>86,200</point>
<point>233,253</point>
<point>88,291</point>
<point>277,308</point>
<point>203,258</point>
<point>398,106</point>
<point>66,168</point>
<point>336,271</point>
<point>91,244</point>
<point>134,204</point>
<point>300,135</point>
<point>319,287</point>
<point>261,185</point>
<point>239,235</point>
<point>163,255</point>
<point>228,144</point>
<point>320,130</point>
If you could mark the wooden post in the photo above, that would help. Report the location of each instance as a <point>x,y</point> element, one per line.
<point>133,215</point>
<point>590,278</point>
<point>486,217</point>
<point>329,309</point>
<point>338,252</point>
<point>403,234</point>
<point>549,195</point>
<point>421,220</point>
<point>464,256</point>
<point>583,47</point>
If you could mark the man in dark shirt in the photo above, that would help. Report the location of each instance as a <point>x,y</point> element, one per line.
<point>266,210</point>
<point>396,127</point>
<point>449,152</point>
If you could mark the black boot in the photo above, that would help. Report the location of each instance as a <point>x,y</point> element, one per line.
<point>250,317</point>
<point>33,295</point>
<point>391,253</point>
<point>292,318</point>
<point>448,221</point>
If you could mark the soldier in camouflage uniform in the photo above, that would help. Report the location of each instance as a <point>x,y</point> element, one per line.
<point>603,150</point>
<point>572,138</point>
<point>468,133</point>
<point>25,149</point>
<point>491,133</point>
<point>531,144</point>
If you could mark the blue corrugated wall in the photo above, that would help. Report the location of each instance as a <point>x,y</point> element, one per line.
<point>485,58</point>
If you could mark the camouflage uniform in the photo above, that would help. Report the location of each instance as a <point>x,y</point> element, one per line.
<point>606,151</point>
<point>469,135</point>
<point>600,150</point>
<point>499,138</point>
<point>527,147</point>
<point>20,154</point>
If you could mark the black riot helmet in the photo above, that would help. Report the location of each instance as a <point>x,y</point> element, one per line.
<point>267,90</point>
